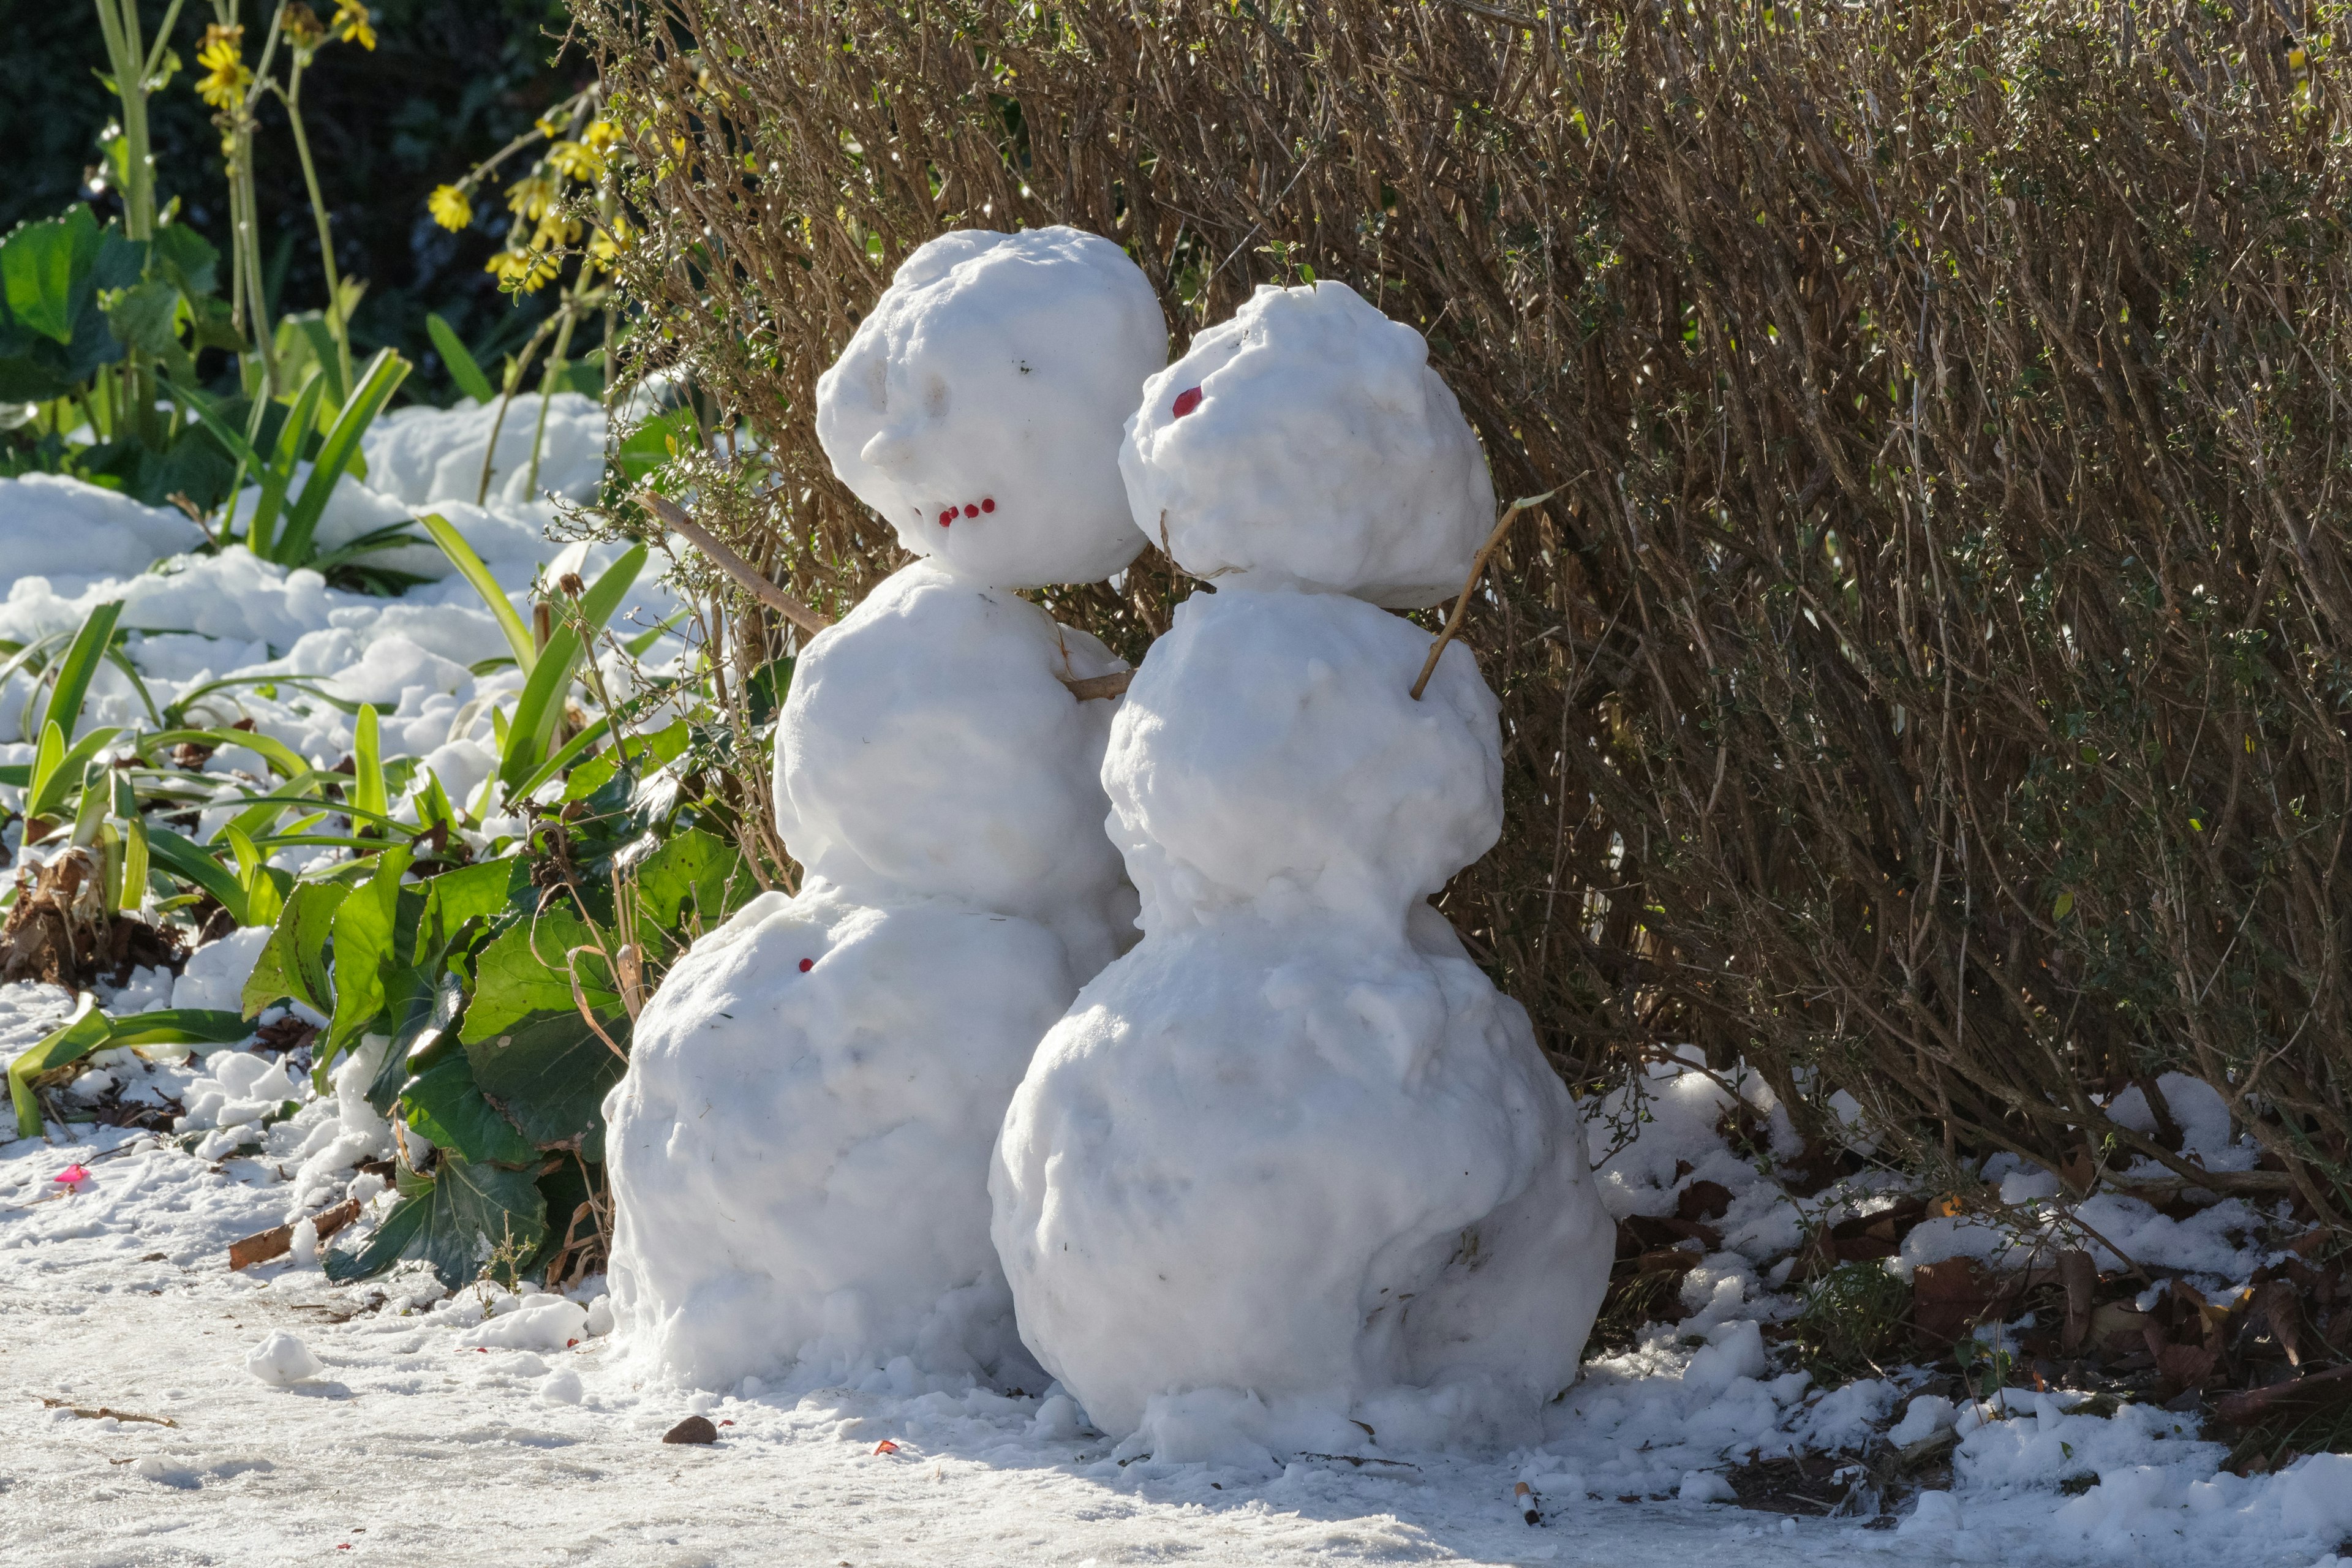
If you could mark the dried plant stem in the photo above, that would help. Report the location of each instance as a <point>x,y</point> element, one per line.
<point>1470,585</point>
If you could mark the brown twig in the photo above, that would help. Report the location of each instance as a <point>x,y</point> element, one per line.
<point>278,1239</point>
<point>1478,569</point>
<point>97,1412</point>
<point>754,582</point>
<point>580,997</point>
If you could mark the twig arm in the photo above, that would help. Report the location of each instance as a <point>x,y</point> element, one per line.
<point>1478,569</point>
<point>754,582</point>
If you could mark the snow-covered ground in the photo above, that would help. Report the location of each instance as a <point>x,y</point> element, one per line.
<point>466,1429</point>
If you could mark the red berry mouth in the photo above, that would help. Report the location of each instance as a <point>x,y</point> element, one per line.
<point>1187,400</point>
<point>969,509</point>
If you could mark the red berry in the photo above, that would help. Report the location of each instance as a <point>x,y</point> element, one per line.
<point>970,510</point>
<point>986,505</point>
<point>807,964</point>
<point>1187,401</point>
<point>947,517</point>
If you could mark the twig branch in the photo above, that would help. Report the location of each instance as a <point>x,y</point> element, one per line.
<point>1478,569</point>
<point>754,582</point>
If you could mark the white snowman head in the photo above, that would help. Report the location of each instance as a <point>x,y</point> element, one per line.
<point>1307,444</point>
<point>978,407</point>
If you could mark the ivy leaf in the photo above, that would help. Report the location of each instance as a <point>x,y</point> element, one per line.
<point>549,1072</point>
<point>691,884</point>
<point>522,972</point>
<point>452,1219</point>
<point>444,1105</point>
<point>293,961</point>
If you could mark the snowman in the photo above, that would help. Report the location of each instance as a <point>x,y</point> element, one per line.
<point>799,1151</point>
<point>1292,1173</point>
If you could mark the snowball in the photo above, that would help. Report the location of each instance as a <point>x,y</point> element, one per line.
<point>800,1157</point>
<point>1936,1512</point>
<point>1275,1155</point>
<point>74,533</point>
<point>927,747</point>
<point>1270,747</point>
<point>993,374</point>
<point>1705,1486</point>
<point>1321,452</point>
<point>1926,1415</point>
<point>539,1323</point>
<point>600,1315</point>
<point>282,1360</point>
<point>561,1388</point>
<point>216,973</point>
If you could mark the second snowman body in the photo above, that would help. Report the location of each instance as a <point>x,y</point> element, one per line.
<point>1293,1172</point>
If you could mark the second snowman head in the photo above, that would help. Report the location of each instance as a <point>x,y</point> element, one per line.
<point>978,407</point>
<point>1307,444</point>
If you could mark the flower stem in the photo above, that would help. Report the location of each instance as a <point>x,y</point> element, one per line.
<point>336,326</point>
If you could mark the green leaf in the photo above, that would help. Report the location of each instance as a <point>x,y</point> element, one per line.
<point>81,663</point>
<point>563,757</point>
<point>523,972</point>
<point>83,1033</point>
<point>180,1026</point>
<point>692,883</point>
<point>2064,907</point>
<point>47,794</point>
<point>383,373</point>
<point>541,702</point>
<point>470,566</point>
<point>463,368</point>
<point>146,316</point>
<point>188,259</point>
<point>470,892</point>
<point>653,443</point>
<point>453,1220</point>
<point>549,1072</point>
<point>261,530</point>
<point>192,863</point>
<point>444,1105</point>
<point>293,961</point>
<point>362,927</point>
<point>44,267</point>
<point>368,793</point>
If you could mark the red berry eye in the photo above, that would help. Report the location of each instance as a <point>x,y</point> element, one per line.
<point>1187,400</point>
<point>987,506</point>
<point>970,510</point>
<point>947,517</point>
<point>807,964</point>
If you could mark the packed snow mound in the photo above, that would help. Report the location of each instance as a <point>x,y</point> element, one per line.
<point>799,1154</point>
<point>977,406</point>
<point>1268,1154</point>
<point>423,456</point>
<point>215,973</point>
<point>1270,749</point>
<point>927,746</point>
<point>75,534</point>
<point>1306,443</point>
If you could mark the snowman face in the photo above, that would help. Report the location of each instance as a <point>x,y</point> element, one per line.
<point>978,408</point>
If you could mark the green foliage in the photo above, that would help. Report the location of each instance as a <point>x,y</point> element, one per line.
<point>1852,1320</point>
<point>456,1219</point>
<point>90,1030</point>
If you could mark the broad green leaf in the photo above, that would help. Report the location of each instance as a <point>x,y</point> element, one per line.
<point>293,961</point>
<point>470,892</point>
<point>188,259</point>
<point>180,1026</point>
<point>549,1073</point>
<point>693,882</point>
<point>494,598</point>
<point>146,317</point>
<point>463,368</point>
<point>43,267</point>
<point>383,373</point>
<point>83,1033</point>
<point>444,1105</point>
<point>523,972</point>
<point>454,1219</point>
<point>363,928</point>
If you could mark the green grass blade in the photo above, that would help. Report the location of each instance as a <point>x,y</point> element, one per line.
<point>541,703</point>
<point>470,568</point>
<point>384,374</point>
<point>49,794</point>
<point>190,863</point>
<point>83,1033</point>
<point>122,662</point>
<point>565,755</point>
<point>81,663</point>
<point>227,434</point>
<point>368,793</point>
<point>260,532</point>
<point>463,368</point>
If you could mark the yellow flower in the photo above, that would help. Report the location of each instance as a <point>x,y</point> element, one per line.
<point>226,78</point>
<point>600,135</point>
<point>450,207</point>
<point>354,25</point>
<point>577,161</point>
<point>608,242</point>
<point>553,230</point>
<point>524,271</point>
<point>531,197</point>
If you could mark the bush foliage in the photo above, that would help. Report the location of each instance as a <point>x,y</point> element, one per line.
<point>1930,677</point>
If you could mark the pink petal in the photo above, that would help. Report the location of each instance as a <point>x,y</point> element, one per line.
<point>72,1175</point>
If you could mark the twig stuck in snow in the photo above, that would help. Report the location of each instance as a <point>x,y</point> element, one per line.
<point>754,582</point>
<point>1477,570</point>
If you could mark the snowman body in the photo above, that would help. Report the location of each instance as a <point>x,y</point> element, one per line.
<point>798,1149</point>
<point>1293,1169</point>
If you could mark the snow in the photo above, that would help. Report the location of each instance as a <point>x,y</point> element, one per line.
<point>426,456</point>
<point>1322,452</point>
<point>1292,1174</point>
<point>282,1360</point>
<point>75,534</point>
<point>990,380</point>
<point>215,973</point>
